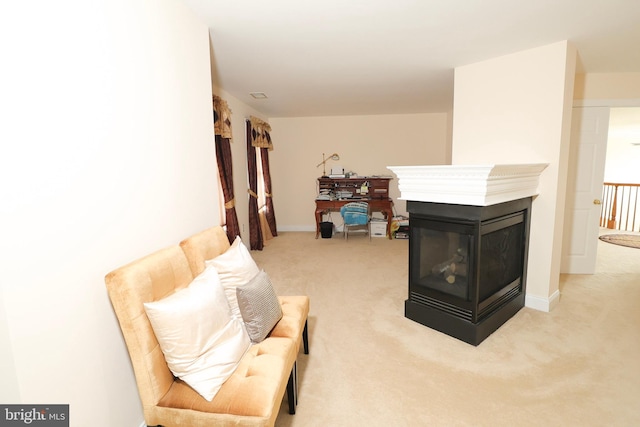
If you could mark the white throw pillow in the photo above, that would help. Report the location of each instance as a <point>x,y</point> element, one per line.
<point>259,306</point>
<point>201,341</point>
<point>235,267</point>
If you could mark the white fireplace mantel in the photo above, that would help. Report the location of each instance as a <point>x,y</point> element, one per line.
<point>476,185</point>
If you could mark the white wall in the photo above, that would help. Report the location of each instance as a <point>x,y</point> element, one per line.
<point>517,109</point>
<point>107,155</point>
<point>366,145</point>
<point>10,390</point>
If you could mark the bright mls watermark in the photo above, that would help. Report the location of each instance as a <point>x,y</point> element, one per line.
<point>34,415</point>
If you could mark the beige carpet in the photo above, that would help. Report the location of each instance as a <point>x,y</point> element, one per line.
<point>370,366</point>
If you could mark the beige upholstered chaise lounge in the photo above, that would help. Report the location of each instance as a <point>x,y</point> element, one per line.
<point>252,395</point>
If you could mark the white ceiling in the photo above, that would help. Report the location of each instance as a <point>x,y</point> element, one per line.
<point>352,57</point>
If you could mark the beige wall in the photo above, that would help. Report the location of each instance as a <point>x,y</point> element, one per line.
<point>517,109</point>
<point>366,145</point>
<point>107,155</point>
<point>607,86</point>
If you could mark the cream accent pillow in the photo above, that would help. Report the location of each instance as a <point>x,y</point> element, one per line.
<point>259,306</point>
<point>201,341</point>
<point>235,267</point>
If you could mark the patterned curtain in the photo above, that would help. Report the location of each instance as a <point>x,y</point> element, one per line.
<point>261,140</point>
<point>223,136</point>
<point>255,231</point>
<point>266,175</point>
<point>260,133</point>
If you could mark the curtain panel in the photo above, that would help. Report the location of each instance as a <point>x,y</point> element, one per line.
<point>223,137</point>
<point>256,241</point>
<point>261,140</point>
<point>270,213</point>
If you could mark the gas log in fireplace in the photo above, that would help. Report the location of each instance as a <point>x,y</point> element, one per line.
<point>467,266</point>
<point>468,244</point>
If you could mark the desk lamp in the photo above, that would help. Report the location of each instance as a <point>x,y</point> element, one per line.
<point>334,156</point>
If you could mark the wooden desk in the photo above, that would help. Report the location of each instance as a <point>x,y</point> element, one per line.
<point>376,205</point>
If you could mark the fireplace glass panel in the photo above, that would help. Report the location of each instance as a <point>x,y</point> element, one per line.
<point>442,263</point>
<point>501,257</point>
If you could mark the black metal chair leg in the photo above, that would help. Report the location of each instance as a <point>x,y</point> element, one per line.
<point>292,397</point>
<point>295,381</point>
<point>305,338</point>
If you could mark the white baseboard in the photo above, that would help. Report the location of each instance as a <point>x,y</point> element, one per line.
<point>542,304</point>
<point>311,228</point>
<point>143,424</point>
<point>305,228</point>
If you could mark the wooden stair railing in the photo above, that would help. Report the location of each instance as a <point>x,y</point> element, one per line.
<point>620,206</point>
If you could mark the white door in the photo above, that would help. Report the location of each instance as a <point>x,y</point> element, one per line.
<point>589,129</point>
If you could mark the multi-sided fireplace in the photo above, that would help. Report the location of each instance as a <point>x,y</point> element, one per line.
<point>468,245</point>
<point>467,266</point>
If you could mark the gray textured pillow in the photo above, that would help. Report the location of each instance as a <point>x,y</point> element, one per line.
<point>259,306</point>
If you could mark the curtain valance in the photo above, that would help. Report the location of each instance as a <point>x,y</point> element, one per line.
<point>260,133</point>
<point>221,118</point>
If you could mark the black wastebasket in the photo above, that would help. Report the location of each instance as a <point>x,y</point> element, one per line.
<point>326,229</point>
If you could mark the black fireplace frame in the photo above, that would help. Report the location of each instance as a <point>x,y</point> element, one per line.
<point>469,319</point>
